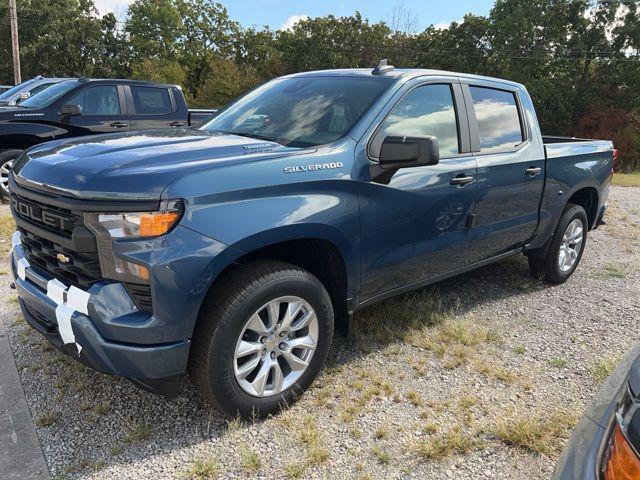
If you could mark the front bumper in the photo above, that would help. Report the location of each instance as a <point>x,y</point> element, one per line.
<point>64,314</point>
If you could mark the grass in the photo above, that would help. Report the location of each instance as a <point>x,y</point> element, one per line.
<point>612,270</point>
<point>381,455</point>
<point>46,419</point>
<point>399,318</point>
<point>455,441</point>
<point>202,469</point>
<point>602,368</point>
<point>250,460</point>
<point>137,433</point>
<point>558,362</point>
<point>626,179</point>
<point>7,227</point>
<point>316,452</point>
<point>535,433</point>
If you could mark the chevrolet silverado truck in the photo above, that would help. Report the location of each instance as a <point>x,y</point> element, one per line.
<point>77,107</point>
<point>234,251</point>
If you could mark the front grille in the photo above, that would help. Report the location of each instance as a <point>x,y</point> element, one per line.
<point>56,220</point>
<point>57,243</point>
<point>79,269</point>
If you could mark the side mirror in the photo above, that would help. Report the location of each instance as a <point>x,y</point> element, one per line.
<point>403,152</point>
<point>70,110</point>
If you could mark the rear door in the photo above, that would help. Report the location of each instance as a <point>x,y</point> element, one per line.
<point>415,222</point>
<point>103,110</point>
<point>510,168</point>
<point>154,107</point>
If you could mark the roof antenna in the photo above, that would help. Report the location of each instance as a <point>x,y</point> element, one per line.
<point>382,67</point>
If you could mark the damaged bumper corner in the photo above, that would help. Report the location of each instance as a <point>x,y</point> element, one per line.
<point>61,313</point>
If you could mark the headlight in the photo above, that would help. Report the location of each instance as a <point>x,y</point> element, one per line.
<point>111,227</point>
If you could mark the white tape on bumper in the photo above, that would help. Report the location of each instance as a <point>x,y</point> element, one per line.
<point>55,290</point>
<point>63,316</point>
<point>22,268</point>
<point>78,300</point>
<point>16,239</point>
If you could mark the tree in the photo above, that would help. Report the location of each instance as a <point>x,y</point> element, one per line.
<point>63,38</point>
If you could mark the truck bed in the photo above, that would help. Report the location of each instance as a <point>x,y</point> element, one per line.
<point>556,147</point>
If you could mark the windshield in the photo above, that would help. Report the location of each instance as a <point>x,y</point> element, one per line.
<point>300,112</point>
<point>17,89</point>
<point>49,95</point>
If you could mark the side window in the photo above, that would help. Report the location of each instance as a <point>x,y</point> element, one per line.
<point>498,119</point>
<point>98,100</point>
<point>427,110</point>
<point>151,101</point>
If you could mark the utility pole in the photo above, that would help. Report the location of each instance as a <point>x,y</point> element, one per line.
<point>13,18</point>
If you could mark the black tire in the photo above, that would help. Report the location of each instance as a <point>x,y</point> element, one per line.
<point>227,308</point>
<point>547,268</point>
<point>6,156</point>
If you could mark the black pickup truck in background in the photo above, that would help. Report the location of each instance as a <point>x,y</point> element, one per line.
<point>83,106</point>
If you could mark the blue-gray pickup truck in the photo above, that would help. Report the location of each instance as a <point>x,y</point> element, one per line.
<point>232,252</point>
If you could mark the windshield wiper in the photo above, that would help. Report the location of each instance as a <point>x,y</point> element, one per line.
<point>254,135</point>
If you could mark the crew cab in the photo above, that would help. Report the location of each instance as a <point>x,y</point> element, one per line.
<point>82,106</point>
<point>233,251</point>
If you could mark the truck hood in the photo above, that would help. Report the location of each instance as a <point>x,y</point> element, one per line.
<point>134,165</point>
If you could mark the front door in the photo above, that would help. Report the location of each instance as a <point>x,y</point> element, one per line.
<point>102,111</point>
<point>415,223</point>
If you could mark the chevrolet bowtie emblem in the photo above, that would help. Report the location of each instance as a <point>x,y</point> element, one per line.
<point>62,257</point>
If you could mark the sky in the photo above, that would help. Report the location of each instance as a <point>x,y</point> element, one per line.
<point>281,14</point>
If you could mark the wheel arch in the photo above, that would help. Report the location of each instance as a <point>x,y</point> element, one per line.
<point>587,197</point>
<point>324,252</point>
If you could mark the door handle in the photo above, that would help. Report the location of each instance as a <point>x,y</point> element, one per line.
<point>461,180</point>
<point>176,124</point>
<point>119,125</point>
<point>533,171</point>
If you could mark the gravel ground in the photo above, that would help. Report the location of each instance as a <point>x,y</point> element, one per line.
<point>425,388</point>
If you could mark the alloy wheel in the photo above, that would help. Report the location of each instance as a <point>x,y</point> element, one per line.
<point>4,175</point>
<point>275,346</point>
<point>570,245</point>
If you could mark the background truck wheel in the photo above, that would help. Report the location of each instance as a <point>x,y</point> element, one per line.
<point>565,250</point>
<point>262,337</point>
<point>6,163</point>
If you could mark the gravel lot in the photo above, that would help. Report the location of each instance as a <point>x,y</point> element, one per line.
<point>481,376</point>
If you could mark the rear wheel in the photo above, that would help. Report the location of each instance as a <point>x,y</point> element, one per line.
<point>262,338</point>
<point>566,247</point>
<point>6,164</point>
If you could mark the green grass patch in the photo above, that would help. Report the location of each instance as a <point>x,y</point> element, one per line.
<point>201,469</point>
<point>533,433</point>
<point>626,179</point>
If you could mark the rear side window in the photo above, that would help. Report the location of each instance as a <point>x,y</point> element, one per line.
<point>427,110</point>
<point>151,101</point>
<point>498,119</point>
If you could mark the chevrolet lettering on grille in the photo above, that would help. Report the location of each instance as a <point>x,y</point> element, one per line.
<point>39,215</point>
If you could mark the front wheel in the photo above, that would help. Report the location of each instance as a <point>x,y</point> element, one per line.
<point>262,337</point>
<point>566,247</point>
<point>6,164</point>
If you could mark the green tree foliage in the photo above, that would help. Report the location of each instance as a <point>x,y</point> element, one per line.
<point>579,59</point>
<point>62,38</point>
